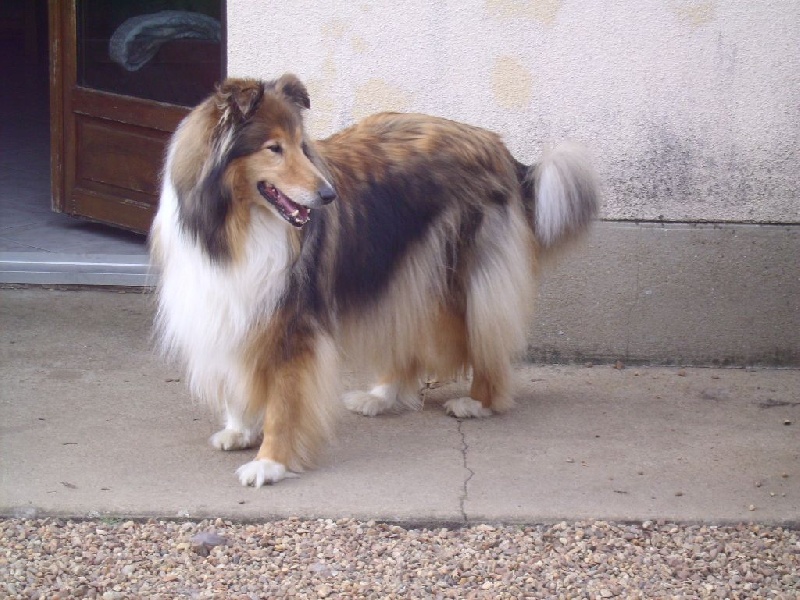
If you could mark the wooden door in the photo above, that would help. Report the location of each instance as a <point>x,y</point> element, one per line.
<point>123,74</point>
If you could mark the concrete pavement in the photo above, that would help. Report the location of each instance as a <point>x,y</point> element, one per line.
<point>93,423</point>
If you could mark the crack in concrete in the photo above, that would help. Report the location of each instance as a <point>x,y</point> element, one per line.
<point>469,472</point>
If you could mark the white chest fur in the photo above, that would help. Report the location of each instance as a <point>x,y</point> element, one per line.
<point>206,310</point>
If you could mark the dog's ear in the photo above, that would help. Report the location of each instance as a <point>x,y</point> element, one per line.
<point>239,98</point>
<point>293,89</point>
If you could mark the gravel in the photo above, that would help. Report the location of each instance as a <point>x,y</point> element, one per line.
<point>294,558</point>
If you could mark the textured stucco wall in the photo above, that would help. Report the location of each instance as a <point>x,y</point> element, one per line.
<point>691,107</point>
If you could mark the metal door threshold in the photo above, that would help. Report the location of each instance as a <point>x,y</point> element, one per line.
<point>46,268</point>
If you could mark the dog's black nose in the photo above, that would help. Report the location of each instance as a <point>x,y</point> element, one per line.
<point>326,193</point>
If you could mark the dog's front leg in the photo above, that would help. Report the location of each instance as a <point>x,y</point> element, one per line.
<point>241,430</point>
<point>299,397</point>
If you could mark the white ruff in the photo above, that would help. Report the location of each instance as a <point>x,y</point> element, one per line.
<point>206,311</point>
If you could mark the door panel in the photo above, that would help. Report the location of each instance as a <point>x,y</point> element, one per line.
<point>123,75</point>
<point>117,156</point>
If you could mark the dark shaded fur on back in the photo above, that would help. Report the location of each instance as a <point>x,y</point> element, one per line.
<point>397,178</point>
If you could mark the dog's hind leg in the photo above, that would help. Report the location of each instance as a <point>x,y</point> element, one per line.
<point>490,392</point>
<point>499,302</point>
<point>493,340</point>
<point>392,395</point>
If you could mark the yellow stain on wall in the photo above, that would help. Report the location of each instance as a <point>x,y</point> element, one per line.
<point>359,45</point>
<point>544,11</point>
<point>694,12</point>
<point>323,107</point>
<point>376,95</point>
<point>335,28</point>
<point>329,68</point>
<point>512,83</point>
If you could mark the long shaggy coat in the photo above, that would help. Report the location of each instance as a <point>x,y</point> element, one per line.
<point>406,243</point>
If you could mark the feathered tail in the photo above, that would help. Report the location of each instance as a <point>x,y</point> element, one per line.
<point>561,194</point>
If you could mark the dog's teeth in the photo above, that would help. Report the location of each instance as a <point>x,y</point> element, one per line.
<point>295,213</point>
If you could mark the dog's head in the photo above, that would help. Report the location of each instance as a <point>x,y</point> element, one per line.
<point>243,149</point>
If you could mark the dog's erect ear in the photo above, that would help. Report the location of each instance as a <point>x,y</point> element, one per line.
<point>293,89</point>
<point>239,97</point>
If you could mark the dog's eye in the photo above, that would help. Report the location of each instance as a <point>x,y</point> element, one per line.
<point>275,148</point>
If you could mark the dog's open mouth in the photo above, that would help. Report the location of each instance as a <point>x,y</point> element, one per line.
<point>295,214</point>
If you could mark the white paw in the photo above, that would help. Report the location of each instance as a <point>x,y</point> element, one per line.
<point>232,439</point>
<point>466,408</point>
<point>260,471</point>
<point>367,404</point>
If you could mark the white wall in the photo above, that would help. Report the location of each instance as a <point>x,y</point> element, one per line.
<point>691,107</point>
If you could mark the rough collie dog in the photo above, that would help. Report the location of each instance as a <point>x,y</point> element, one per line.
<point>407,243</point>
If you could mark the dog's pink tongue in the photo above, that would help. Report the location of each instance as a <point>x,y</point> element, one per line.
<point>295,210</point>
<point>285,203</point>
<point>298,214</point>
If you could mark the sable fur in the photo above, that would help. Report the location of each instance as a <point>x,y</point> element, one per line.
<point>423,264</point>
